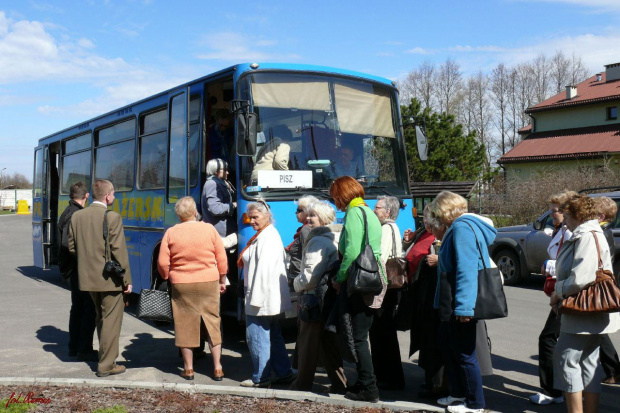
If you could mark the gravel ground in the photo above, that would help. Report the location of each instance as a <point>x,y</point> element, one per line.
<point>82,399</point>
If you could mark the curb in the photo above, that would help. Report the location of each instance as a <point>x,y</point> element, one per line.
<point>215,389</point>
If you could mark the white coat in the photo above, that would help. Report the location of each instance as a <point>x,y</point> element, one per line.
<point>320,252</point>
<point>267,290</point>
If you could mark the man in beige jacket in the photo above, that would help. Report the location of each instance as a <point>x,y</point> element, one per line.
<point>86,241</point>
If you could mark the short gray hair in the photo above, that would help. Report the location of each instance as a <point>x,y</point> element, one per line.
<point>261,206</point>
<point>185,208</point>
<point>392,204</point>
<point>323,211</point>
<point>305,201</point>
<point>215,165</point>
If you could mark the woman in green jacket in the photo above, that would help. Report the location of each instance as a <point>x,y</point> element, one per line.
<point>348,196</point>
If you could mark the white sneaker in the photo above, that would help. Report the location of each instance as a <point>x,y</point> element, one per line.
<point>250,383</point>
<point>461,408</point>
<point>447,401</point>
<point>542,399</point>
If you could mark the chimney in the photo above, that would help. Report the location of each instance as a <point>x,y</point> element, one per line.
<point>599,77</point>
<point>571,92</point>
<point>612,72</point>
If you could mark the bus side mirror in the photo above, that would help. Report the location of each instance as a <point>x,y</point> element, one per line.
<point>246,127</point>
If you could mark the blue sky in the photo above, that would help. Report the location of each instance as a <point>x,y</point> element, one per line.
<point>62,62</point>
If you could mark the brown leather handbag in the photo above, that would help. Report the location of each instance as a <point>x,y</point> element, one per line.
<point>602,296</point>
<point>395,267</point>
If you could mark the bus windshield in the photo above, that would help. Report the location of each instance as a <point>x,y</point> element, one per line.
<point>313,129</point>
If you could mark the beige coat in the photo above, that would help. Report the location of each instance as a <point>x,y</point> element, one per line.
<point>86,241</point>
<point>273,156</point>
<point>575,269</point>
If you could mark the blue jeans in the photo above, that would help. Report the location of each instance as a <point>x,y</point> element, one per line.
<point>266,346</point>
<point>458,346</point>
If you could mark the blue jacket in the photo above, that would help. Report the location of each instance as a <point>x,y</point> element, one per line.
<point>460,259</point>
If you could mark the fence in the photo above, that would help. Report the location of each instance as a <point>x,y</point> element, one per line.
<point>9,198</point>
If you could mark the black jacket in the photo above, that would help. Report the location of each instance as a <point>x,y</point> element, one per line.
<point>67,262</point>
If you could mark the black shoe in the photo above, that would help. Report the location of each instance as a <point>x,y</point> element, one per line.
<point>73,353</point>
<point>88,356</point>
<point>288,379</point>
<point>384,385</point>
<point>368,394</point>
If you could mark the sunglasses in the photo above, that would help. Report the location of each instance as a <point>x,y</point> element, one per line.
<point>299,211</point>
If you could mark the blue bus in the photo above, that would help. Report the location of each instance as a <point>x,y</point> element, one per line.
<point>155,150</point>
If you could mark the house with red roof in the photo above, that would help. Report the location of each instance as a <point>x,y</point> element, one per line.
<point>576,128</point>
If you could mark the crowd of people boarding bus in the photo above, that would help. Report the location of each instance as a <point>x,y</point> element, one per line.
<point>335,325</point>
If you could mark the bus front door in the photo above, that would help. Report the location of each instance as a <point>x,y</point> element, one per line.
<point>44,206</point>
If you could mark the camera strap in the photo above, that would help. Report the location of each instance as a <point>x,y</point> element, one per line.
<point>105,235</point>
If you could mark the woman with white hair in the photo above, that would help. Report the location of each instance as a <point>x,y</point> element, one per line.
<point>218,207</point>
<point>192,256</point>
<point>384,346</point>
<point>267,297</point>
<point>319,253</point>
<point>295,248</point>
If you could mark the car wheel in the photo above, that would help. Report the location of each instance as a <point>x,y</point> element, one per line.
<point>510,266</point>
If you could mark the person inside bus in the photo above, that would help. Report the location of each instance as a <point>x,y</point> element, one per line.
<point>221,136</point>
<point>347,164</point>
<point>274,155</point>
<point>218,207</point>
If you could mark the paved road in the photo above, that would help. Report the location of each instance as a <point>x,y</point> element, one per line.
<point>34,319</point>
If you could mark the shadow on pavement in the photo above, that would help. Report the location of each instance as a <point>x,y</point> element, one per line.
<point>51,276</point>
<point>56,341</point>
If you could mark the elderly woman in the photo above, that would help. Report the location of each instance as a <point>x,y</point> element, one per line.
<point>319,254</point>
<point>192,256</point>
<point>549,335</point>
<point>464,251</point>
<point>218,207</point>
<point>348,196</point>
<point>266,299</point>
<point>576,356</point>
<point>295,248</point>
<point>383,338</point>
<point>422,261</point>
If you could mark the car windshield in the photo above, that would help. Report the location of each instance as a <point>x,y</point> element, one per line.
<point>312,129</point>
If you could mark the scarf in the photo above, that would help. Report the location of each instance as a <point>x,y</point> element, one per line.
<point>240,260</point>
<point>419,250</point>
<point>355,202</point>
<point>288,248</point>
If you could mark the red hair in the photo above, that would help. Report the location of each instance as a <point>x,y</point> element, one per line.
<point>344,190</point>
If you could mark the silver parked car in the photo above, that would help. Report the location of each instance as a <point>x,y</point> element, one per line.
<point>520,250</point>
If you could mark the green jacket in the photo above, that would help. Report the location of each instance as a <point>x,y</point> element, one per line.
<point>352,239</point>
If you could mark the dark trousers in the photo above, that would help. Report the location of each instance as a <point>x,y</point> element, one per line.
<point>384,344</point>
<point>81,319</point>
<point>546,345</point>
<point>609,357</point>
<point>458,345</point>
<point>361,320</point>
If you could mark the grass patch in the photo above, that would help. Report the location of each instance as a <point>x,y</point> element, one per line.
<point>113,409</point>
<point>16,407</point>
<point>5,212</point>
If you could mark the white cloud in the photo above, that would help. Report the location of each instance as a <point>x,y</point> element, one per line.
<point>601,5</point>
<point>418,50</point>
<point>30,52</point>
<point>236,47</point>
<point>468,48</point>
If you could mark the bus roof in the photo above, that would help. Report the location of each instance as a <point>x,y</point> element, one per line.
<point>238,70</point>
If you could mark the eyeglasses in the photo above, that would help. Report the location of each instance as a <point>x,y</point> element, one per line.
<point>379,207</point>
<point>299,211</point>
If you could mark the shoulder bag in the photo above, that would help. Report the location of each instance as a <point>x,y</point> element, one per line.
<point>363,276</point>
<point>155,304</point>
<point>395,267</point>
<point>491,300</point>
<point>602,296</point>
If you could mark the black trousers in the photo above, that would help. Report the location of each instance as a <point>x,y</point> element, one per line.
<point>361,320</point>
<point>609,357</point>
<point>81,319</point>
<point>546,345</point>
<point>384,344</point>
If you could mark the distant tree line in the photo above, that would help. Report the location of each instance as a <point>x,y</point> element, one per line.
<point>490,105</point>
<point>19,181</point>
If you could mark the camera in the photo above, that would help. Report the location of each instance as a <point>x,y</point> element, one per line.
<point>113,269</point>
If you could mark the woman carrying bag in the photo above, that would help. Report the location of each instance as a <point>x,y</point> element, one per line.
<point>348,196</point>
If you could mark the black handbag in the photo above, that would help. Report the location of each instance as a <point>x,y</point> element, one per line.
<point>491,300</point>
<point>363,276</point>
<point>155,305</point>
<point>309,309</point>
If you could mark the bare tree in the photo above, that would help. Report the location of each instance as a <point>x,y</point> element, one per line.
<point>425,85</point>
<point>541,67</point>
<point>482,113</point>
<point>17,180</point>
<point>578,70</point>
<point>500,96</point>
<point>560,72</point>
<point>449,85</point>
